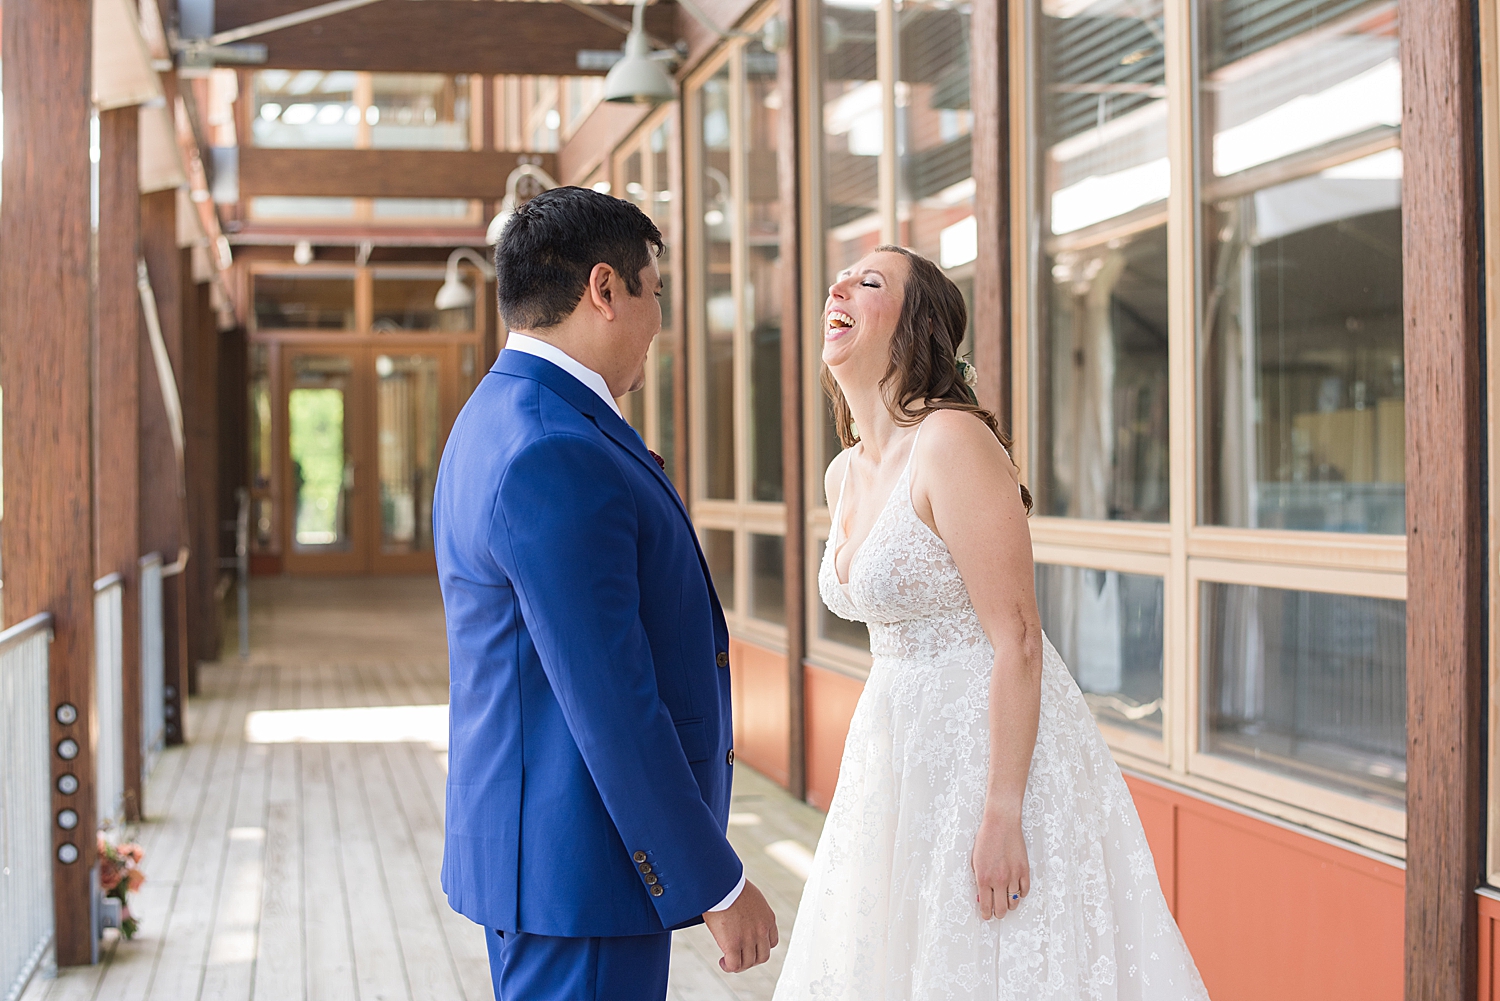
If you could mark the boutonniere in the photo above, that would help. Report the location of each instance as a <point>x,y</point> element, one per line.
<point>659,460</point>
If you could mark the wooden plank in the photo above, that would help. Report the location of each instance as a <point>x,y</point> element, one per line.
<point>380,173</point>
<point>330,956</point>
<point>444,36</point>
<point>1445,657</point>
<point>279,961</point>
<point>117,336</point>
<point>45,365</point>
<point>990,98</point>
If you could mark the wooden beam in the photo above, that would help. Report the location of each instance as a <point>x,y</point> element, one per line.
<point>444,36</point>
<point>162,528</point>
<point>201,420</point>
<point>990,98</point>
<point>1445,438</point>
<point>45,365</point>
<point>117,374</point>
<point>380,173</point>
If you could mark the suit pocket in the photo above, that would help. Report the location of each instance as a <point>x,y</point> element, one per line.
<point>693,735</point>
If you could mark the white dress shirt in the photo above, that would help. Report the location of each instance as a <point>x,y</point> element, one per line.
<point>593,380</point>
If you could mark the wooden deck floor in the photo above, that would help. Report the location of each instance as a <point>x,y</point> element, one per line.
<point>293,846</point>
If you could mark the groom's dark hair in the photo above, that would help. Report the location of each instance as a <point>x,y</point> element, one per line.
<point>551,244</point>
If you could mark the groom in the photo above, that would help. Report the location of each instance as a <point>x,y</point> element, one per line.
<point>589,761</point>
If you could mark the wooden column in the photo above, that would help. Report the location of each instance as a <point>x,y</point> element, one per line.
<point>989,97</point>
<point>788,143</point>
<point>162,528</point>
<point>1445,659</point>
<point>199,380</point>
<point>45,364</point>
<point>117,376</point>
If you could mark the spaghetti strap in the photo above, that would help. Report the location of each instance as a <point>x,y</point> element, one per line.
<point>913,453</point>
<point>838,507</point>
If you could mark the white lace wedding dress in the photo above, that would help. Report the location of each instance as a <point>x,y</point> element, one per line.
<point>889,912</point>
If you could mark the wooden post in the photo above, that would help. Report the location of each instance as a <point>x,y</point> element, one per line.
<point>162,528</point>
<point>117,374</point>
<point>1445,656</point>
<point>989,97</point>
<point>199,379</point>
<point>794,479</point>
<point>45,364</point>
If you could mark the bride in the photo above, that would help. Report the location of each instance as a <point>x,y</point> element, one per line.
<point>981,843</point>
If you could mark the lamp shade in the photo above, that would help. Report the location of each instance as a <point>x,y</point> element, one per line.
<point>637,78</point>
<point>455,293</point>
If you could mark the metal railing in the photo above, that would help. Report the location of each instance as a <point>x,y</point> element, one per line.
<point>153,665</point>
<point>109,696</point>
<point>25,803</point>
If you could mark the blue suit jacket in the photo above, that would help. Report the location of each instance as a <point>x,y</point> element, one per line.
<point>588,786</point>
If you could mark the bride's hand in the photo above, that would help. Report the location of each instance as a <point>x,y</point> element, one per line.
<point>1000,864</point>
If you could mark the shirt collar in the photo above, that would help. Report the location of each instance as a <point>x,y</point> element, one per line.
<point>539,348</point>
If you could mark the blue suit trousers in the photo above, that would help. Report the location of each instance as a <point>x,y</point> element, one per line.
<point>527,967</point>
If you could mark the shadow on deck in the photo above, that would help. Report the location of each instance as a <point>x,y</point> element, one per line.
<point>293,846</point>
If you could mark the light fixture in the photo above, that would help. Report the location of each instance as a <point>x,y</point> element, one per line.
<point>456,293</point>
<point>302,253</point>
<point>509,204</point>
<point>638,78</point>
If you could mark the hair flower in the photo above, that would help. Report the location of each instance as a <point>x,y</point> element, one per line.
<point>966,372</point>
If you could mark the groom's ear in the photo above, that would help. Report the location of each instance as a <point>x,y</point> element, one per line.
<point>601,289</point>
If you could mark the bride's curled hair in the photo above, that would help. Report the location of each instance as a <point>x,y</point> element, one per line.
<point>923,374</point>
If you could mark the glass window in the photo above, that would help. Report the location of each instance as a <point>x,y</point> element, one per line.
<point>1099,426</point>
<point>1303,419</point>
<point>1309,684</point>
<point>405,299</point>
<point>768,578</point>
<point>718,286</point>
<point>305,109</point>
<point>262,450</point>
<point>766,283</point>
<point>718,550</point>
<point>453,211</point>
<point>853,133</point>
<point>409,444</point>
<point>304,302</point>
<point>659,207</point>
<point>302,208</point>
<point>935,179</point>
<point>419,111</point>
<point>322,455</point>
<point>1107,627</point>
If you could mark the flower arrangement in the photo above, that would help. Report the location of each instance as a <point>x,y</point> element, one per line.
<point>119,876</point>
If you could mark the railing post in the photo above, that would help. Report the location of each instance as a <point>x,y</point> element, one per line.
<point>45,366</point>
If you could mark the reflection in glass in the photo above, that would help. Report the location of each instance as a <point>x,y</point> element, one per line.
<point>404,299</point>
<point>1107,627</point>
<point>304,302</point>
<point>765,279</point>
<point>304,109</point>
<point>322,462</point>
<point>718,550</point>
<point>768,578</point>
<point>853,133</point>
<point>418,111</point>
<point>1303,400</point>
<point>935,181</point>
<point>1309,684</point>
<point>718,287</point>
<point>409,445</point>
<point>1099,417</point>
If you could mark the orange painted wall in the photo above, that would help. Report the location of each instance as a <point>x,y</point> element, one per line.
<point>1489,938</point>
<point>1270,913</point>
<point>760,685</point>
<point>829,705</point>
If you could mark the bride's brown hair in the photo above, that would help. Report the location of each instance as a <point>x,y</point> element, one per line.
<point>923,375</point>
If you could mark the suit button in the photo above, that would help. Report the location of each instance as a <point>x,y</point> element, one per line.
<point>656,891</point>
<point>644,867</point>
<point>640,856</point>
<point>650,879</point>
<point>729,758</point>
<point>723,659</point>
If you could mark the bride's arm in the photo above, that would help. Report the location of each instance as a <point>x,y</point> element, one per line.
<point>966,489</point>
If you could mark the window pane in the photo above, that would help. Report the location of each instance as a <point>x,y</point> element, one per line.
<point>718,549</point>
<point>408,440</point>
<point>301,208</point>
<point>262,454</point>
<point>853,133</point>
<point>322,461</point>
<point>1099,403</point>
<point>936,178</point>
<point>405,299</point>
<point>1107,627</point>
<point>718,288</point>
<point>418,111</point>
<point>435,211</point>
<point>659,207</point>
<point>304,109</point>
<point>768,578</point>
<point>1303,405</point>
<point>766,280</point>
<point>1313,685</point>
<point>304,302</point>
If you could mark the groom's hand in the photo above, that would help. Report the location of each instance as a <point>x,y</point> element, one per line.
<point>745,931</point>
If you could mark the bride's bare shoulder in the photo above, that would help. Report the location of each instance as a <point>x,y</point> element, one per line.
<point>959,441</point>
